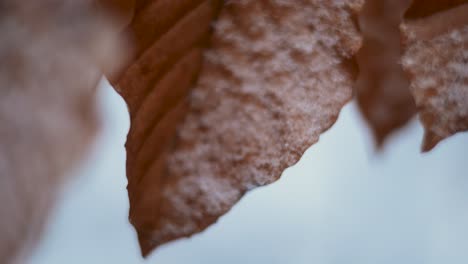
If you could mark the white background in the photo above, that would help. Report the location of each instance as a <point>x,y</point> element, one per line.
<point>342,203</point>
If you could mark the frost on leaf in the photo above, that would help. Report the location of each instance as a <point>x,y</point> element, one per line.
<point>436,60</point>
<point>48,51</point>
<point>382,88</point>
<point>275,76</point>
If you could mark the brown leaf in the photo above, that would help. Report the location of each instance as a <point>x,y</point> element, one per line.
<point>276,76</point>
<point>436,59</point>
<point>121,11</point>
<point>49,51</point>
<point>382,87</point>
<point>424,8</point>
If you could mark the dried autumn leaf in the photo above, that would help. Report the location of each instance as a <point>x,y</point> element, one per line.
<point>49,51</point>
<point>382,87</point>
<point>169,37</point>
<point>275,76</point>
<point>436,59</point>
<point>424,8</point>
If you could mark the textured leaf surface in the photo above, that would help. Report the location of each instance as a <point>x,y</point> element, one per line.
<point>49,52</point>
<point>436,59</point>
<point>275,76</point>
<point>382,87</point>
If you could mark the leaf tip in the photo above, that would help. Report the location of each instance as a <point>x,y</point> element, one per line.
<point>430,141</point>
<point>147,245</point>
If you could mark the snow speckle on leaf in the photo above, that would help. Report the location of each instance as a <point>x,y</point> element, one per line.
<point>436,59</point>
<point>223,96</point>
<point>274,77</point>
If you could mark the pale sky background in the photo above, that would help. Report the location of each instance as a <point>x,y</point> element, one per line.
<point>342,203</point>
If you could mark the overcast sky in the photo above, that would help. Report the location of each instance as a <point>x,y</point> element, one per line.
<point>343,203</point>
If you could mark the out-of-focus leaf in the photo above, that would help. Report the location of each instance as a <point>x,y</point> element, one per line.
<point>49,52</point>
<point>121,11</point>
<point>436,60</point>
<point>382,87</point>
<point>275,76</point>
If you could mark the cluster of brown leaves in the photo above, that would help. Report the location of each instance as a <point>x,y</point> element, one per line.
<point>224,95</point>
